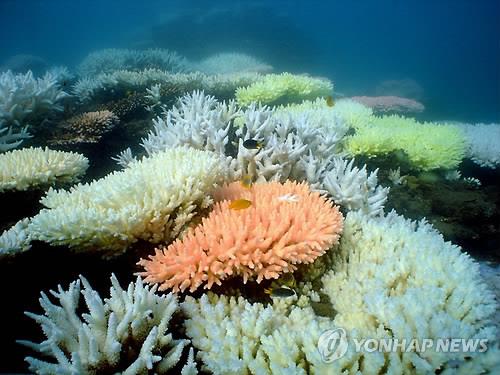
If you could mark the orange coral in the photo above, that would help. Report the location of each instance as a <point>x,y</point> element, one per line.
<point>286,224</point>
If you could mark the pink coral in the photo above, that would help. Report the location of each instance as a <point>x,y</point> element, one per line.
<point>286,224</point>
<point>389,103</point>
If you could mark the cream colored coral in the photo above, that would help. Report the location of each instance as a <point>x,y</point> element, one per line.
<point>151,199</point>
<point>15,240</point>
<point>234,336</point>
<point>37,168</point>
<point>394,278</point>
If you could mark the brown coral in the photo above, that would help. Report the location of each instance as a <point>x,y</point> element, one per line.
<point>88,127</point>
<point>286,224</point>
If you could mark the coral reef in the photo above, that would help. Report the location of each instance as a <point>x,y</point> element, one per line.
<point>283,88</point>
<point>221,85</point>
<point>355,188</point>
<point>395,104</point>
<point>113,59</point>
<point>152,199</point>
<point>24,98</point>
<point>15,240</point>
<point>285,225</point>
<point>234,336</point>
<point>127,333</point>
<point>427,145</point>
<point>9,139</point>
<point>483,146</point>
<point>413,285</point>
<point>30,168</point>
<point>231,62</point>
<point>392,278</point>
<point>298,143</point>
<point>88,127</point>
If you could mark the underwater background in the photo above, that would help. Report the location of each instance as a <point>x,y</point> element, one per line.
<point>433,155</point>
<point>447,52</point>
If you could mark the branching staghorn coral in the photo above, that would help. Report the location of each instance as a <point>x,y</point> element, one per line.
<point>152,199</point>
<point>284,226</point>
<point>10,139</point>
<point>113,59</point>
<point>127,333</point>
<point>197,121</point>
<point>298,143</point>
<point>30,168</point>
<point>283,88</point>
<point>354,188</point>
<point>24,98</point>
<point>231,62</point>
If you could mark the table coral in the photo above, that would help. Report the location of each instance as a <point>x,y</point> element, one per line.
<point>285,225</point>
<point>282,88</point>
<point>152,199</point>
<point>30,168</point>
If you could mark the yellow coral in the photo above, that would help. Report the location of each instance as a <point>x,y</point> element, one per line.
<point>428,145</point>
<point>282,88</point>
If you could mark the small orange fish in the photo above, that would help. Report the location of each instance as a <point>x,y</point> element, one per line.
<point>247,181</point>
<point>329,101</point>
<point>240,204</point>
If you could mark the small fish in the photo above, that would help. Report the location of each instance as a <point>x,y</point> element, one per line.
<point>287,279</point>
<point>280,292</point>
<point>329,101</point>
<point>240,204</point>
<point>252,144</point>
<point>288,198</point>
<point>247,181</point>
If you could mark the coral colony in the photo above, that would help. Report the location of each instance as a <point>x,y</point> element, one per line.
<point>245,179</point>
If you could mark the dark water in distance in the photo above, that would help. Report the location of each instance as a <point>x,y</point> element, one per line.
<point>446,53</point>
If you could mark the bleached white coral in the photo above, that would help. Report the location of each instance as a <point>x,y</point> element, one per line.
<point>124,158</point>
<point>10,139</point>
<point>234,336</point>
<point>16,239</point>
<point>296,144</point>
<point>127,333</point>
<point>28,168</point>
<point>152,199</point>
<point>24,97</point>
<point>112,59</point>
<point>198,121</point>
<point>232,62</point>
<point>355,188</point>
<point>483,145</point>
<point>393,278</point>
